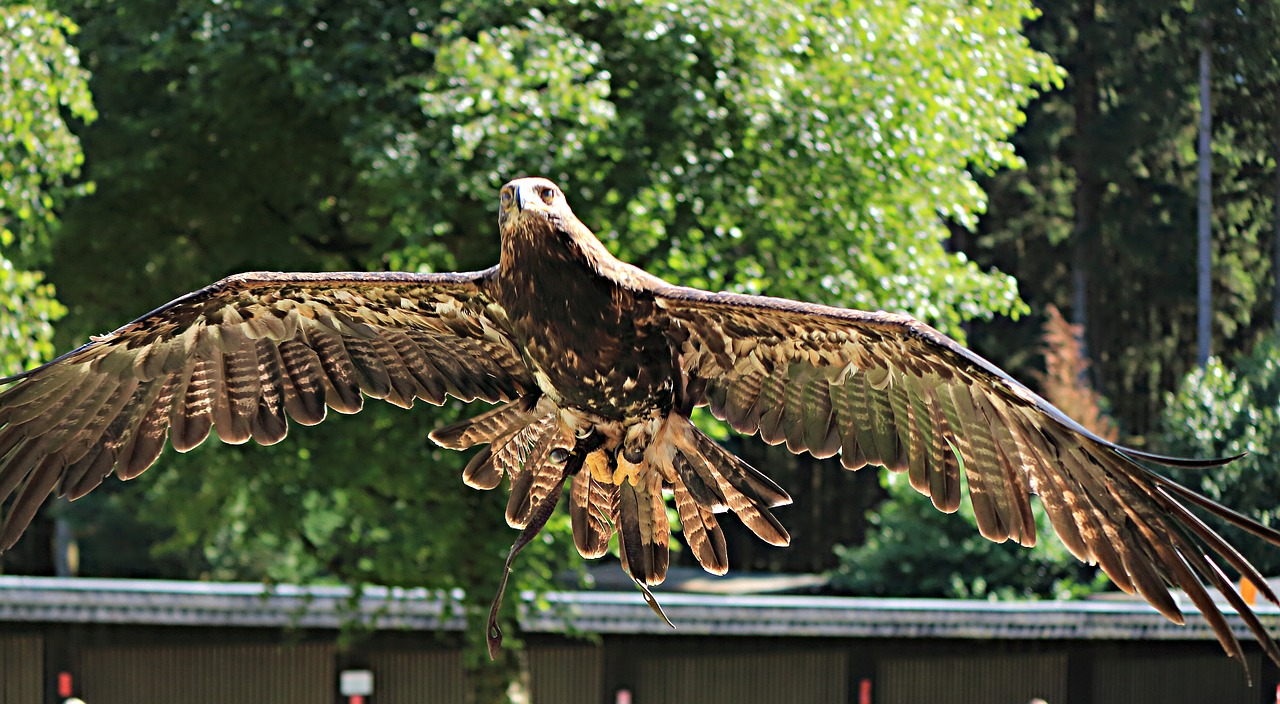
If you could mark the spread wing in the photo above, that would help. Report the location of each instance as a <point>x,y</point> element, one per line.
<point>240,357</point>
<point>886,389</point>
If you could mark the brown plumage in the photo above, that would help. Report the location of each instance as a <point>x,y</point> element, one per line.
<point>598,365</point>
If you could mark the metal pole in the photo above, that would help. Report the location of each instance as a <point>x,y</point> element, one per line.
<point>1205,205</point>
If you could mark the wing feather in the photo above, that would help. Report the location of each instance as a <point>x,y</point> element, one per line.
<point>304,382</point>
<point>268,424</point>
<point>79,439</point>
<point>191,415</point>
<point>903,395</point>
<point>428,385</point>
<point>372,376</point>
<point>857,436</point>
<point>235,399</point>
<point>740,401</point>
<point>87,472</point>
<point>889,450</point>
<point>143,438</point>
<point>1015,474</point>
<point>35,489</point>
<point>242,357</point>
<point>942,481</point>
<point>342,390</point>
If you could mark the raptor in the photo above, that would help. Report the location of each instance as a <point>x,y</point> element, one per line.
<point>596,367</point>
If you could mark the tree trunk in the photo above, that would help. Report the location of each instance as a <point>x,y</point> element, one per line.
<point>1204,205</point>
<point>1275,224</point>
<point>1087,199</point>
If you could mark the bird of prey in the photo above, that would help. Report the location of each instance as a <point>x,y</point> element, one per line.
<point>597,366</point>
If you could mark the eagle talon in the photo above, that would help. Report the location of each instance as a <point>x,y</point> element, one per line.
<point>626,471</point>
<point>598,465</point>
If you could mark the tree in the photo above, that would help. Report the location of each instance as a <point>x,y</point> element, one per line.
<point>807,151</point>
<point>42,89</point>
<point>1130,169</point>
<point>1221,411</point>
<point>40,78</point>
<point>1248,96</point>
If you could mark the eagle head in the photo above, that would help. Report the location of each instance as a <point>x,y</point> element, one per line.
<point>534,217</point>
<point>531,203</point>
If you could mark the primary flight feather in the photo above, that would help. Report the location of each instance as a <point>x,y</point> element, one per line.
<point>597,366</point>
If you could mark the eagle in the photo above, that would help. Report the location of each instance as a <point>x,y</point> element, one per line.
<point>595,367</point>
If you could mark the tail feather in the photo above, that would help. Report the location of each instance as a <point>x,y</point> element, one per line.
<point>490,425</point>
<point>748,480</point>
<point>590,508</point>
<point>533,475</point>
<point>480,472</point>
<point>643,530</point>
<point>701,531</point>
<point>741,487</point>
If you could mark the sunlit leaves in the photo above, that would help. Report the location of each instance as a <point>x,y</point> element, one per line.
<point>516,91</point>
<point>41,86</point>
<point>1221,412</point>
<point>27,311</point>
<point>41,81</point>
<point>817,153</point>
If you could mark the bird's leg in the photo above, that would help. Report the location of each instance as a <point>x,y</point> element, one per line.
<point>634,445</point>
<point>587,444</point>
<point>626,470</point>
<point>600,465</point>
<point>541,514</point>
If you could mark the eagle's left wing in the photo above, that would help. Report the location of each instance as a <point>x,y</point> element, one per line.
<point>886,389</point>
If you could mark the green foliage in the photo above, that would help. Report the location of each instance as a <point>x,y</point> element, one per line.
<point>1140,242</point>
<point>27,311</point>
<point>803,150</point>
<point>361,136</point>
<point>1221,411</point>
<point>41,84</point>
<point>912,549</point>
<point>40,77</point>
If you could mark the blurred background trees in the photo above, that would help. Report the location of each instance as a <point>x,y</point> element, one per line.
<point>856,154</point>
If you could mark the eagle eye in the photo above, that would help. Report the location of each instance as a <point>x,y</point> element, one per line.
<point>548,194</point>
<point>505,197</point>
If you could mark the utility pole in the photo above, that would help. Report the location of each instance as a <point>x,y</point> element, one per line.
<point>1204,204</point>
<point>1275,225</point>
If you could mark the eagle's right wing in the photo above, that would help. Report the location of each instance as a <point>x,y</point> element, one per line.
<point>240,356</point>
